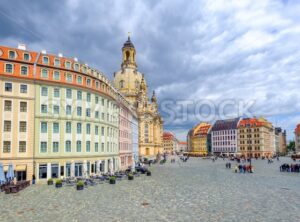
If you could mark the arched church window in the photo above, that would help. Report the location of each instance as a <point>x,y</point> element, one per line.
<point>146,133</point>
<point>121,84</point>
<point>127,55</point>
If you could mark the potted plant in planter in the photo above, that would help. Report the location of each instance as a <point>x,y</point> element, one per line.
<point>130,176</point>
<point>58,183</point>
<point>80,185</point>
<point>148,173</point>
<point>50,181</point>
<point>112,180</point>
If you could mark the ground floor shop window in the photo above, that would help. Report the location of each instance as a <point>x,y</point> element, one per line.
<point>21,175</point>
<point>68,169</point>
<point>62,171</point>
<point>78,169</point>
<point>43,171</point>
<point>54,171</point>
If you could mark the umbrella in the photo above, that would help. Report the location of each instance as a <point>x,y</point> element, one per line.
<point>10,173</point>
<point>2,177</point>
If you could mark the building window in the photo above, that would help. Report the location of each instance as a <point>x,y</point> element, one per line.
<point>68,65</point>
<point>88,82</point>
<point>146,133</point>
<point>55,147</point>
<point>88,128</point>
<point>136,83</point>
<point>79,128</point>
<point>88,112</point>
<point>96,147</point>
<point>23,88</point>
<point>55,127</point>
<point>56,62</point>
<point>102,147</point>
<point>68,127</point>
<point>69,77</point>
<point>96,99</point>
<point>97,84</point>
<point>8,87</point>
<point>121,84</point>
<point>78,146</point>
<point>79,95</point>
<point>102,116</point>
<point>44,91</point>
<point>44,73</point>
<point>68,146</point>
<point>96,130</point>
<point>43,171</point>
<point>6,146</point>
<point>76,67</point>
<point>55,109</point>
<point>69,93</point>
<point>7,126</point>
<point>79,79</point>
<point>88,146</point>
<point>9,68</point>
<point>24,70</point>
<point>7,105</point>
<point>22,146</point>
<point>84,69</point>
<point>44,127</point>
<point>68,110</point>
<point>43,147</point>
<point>45,60</point>
<point>56,92</point>
<point>102,130</point>
<point>79,111</point>
<point>12,54</point>
<point>23,127</point>
<point>88,97</point>
<point>44,108</point>
<point>23,107</point>
<point>56,75</point>
<point>26,56</point>
<point>97,114</point>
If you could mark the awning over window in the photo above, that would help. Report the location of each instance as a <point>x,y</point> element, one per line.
<point>21,168</point>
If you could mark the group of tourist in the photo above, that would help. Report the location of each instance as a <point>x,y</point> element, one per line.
<point>295,168</point>
<point>243,168</point>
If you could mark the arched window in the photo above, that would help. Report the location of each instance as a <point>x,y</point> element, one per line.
<point>146,133</point>
<point>121,84</point>
<point>127,55</point>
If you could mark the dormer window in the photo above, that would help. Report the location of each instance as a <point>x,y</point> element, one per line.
<point>45,60</point>
<point>26,57</point>
<point>76,67</point>
<point>84,69</point>
<point>56,62</point>
<point>68,65</point>
<point>12,54</point>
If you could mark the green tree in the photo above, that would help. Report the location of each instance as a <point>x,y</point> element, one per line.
<point>291,146</point>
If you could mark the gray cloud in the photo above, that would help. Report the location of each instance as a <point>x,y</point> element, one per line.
<point>193,50</point>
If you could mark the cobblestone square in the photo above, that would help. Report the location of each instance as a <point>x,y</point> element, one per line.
<point>199,190</point>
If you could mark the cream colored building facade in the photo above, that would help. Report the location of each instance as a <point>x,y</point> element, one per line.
<point>131,83</point>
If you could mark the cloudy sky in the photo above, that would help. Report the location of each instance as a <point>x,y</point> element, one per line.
<point>203,58</point>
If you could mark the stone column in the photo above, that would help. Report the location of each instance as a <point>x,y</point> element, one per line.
<point>72,169</point>
<point>49,174</point>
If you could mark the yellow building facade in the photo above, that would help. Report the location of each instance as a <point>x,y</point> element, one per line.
<point>131,83</point>
<point>198,140</point>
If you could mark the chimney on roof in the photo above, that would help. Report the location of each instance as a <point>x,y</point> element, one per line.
<point>44,51</point>
<point>60,55</point>
<point>21,46</point>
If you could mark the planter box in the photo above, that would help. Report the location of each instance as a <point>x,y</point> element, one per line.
<point>79,187</point>
<point>58,185</point>
<point>148,173</point>
<point>112,181</point>
<point>50,182</point>
<point>130,177</point>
